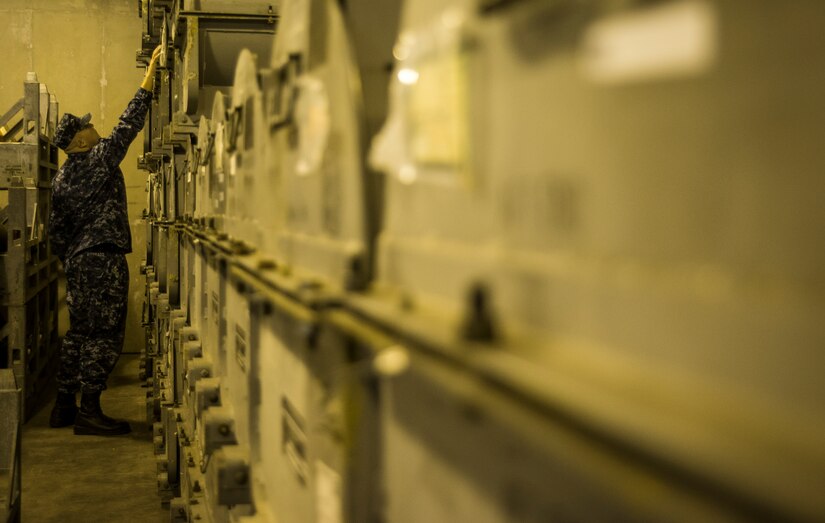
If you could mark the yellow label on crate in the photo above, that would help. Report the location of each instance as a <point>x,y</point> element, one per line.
<point>437,112</point>
<point>427,135</point>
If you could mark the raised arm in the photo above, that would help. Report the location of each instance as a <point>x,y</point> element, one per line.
<point>131,121</point>
<point>149,80</point>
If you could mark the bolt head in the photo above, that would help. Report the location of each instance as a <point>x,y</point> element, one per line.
<point>241,477</point>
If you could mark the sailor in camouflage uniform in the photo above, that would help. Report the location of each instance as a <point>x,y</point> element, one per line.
<point>89,232</point>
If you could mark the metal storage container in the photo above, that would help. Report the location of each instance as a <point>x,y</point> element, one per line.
<point>614,203</point>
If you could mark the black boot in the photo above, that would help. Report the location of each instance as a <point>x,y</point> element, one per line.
<point>91,420</point>
<point>64,411</point>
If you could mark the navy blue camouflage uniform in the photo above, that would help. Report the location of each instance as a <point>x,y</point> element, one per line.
<point>89,232</point>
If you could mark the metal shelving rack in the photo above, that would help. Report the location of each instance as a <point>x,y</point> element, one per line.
<point>28,270</point>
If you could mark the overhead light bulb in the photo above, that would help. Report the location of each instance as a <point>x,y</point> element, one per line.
<point>408,76</point>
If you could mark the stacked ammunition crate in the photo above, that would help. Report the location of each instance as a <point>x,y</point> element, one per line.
<point>28,163</point>
<point>389,279</point>
<point>201,42</point>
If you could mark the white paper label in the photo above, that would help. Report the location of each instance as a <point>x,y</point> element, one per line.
<point>233,164</point>
<point>672,40</point>
<point>328,494</point>
<point>314,124</point>
<point>328,505</point>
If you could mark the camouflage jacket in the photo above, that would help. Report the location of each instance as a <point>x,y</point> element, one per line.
<point>89,193</point>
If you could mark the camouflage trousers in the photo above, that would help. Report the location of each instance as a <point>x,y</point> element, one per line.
<point>97,290</point>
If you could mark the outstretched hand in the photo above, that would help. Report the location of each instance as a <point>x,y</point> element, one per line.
<point>155,55</point>
<point>149,80</point>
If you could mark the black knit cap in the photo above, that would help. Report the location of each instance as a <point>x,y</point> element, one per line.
<point>68,127</point>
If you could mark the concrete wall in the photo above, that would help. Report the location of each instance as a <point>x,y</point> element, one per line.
<point>84,51</point>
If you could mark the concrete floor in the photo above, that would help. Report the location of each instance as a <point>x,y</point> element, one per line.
<point>68,478</point>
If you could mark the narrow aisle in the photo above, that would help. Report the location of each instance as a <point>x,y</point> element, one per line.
<point>68,478</point>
